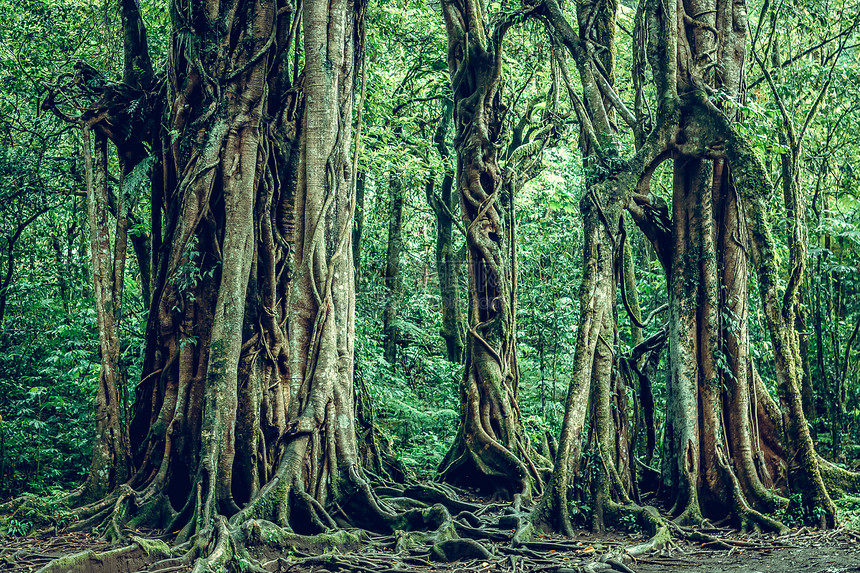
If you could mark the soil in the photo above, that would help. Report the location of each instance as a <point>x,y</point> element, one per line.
<point>801,551</point>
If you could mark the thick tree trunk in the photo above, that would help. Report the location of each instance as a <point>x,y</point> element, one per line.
<point>246,408</point>
<point>718,436</point>
<point>804,473</point>
<point>710,446</point>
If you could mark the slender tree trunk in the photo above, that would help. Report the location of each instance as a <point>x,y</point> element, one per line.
<point>7,274</point>
<point>103,107</point>
<point>7,277</point>
<point>110,465</point>
<point>393,280</point>
<point>358,226</point>
<point>447,259</point>
<point>491,447</point>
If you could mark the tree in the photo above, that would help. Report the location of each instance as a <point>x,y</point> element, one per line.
<point>119,112</point>
<point>246,397</point>
<point>448,262</point>
<point>253,347</point>
<point>491,447</point>
<point>393,276</point>
<point>719,418</point>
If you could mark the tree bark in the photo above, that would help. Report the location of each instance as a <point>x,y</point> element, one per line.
<point>447,258</point>
<point>491,447</point>
<point>110,465</point>
<point>610,186</point>
<point>393,280</point>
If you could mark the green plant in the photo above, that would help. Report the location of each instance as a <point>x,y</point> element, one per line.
<point>18,527</point>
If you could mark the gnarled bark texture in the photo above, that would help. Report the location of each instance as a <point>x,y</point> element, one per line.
<point>246,408</point>
<point>491,447</point>
<point>110,460</point>
<point>726,443</point>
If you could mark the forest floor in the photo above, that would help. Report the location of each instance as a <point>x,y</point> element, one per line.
<point>802,550</point>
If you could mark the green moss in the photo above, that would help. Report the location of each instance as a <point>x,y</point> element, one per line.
<point>660,540</point>
<point>152,546</point>
<point>261,532</point>
<point>523,533</point>
<point>407,540</point>
<point>67,563</point>
<point>74,562</point>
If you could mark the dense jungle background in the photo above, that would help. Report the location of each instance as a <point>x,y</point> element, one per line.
<point>559,286</point>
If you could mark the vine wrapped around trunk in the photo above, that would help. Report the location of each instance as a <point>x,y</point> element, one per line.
<point>246,408</point>
<point>491,447</point>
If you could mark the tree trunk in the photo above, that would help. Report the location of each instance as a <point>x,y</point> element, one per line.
<point>447,259</point>
<point>246,409</point>
<point>711,448</point>
<point>721,441</point>
<point>358,226</point>
<point>7,273</point>
<point>123,113</point>
<point>610,185</point>
<point>491,448</point>
<point>804,473</point>
<point>393,280</point>
<point>110,465</point>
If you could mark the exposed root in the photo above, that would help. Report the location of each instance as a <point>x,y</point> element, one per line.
<point>476,457</point>
<point>439,493</point>
<point>838,480</point>
<point>417,536</point>
<point>457,549</point>
<point>127,559</point>
<point>660,540</point>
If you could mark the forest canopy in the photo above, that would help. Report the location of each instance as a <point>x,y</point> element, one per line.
<point>286,275</point>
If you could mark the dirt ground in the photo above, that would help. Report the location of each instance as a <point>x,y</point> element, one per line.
<point>804,554</point>
<point>801,551</point>
<point>804,559</point>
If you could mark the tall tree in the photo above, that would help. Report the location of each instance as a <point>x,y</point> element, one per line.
<point>448,261</point>
<point>122,113</point>
<point>723,438</point>
<point>246,406</point>
<point>491,446</point>
<point>393,275</point>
